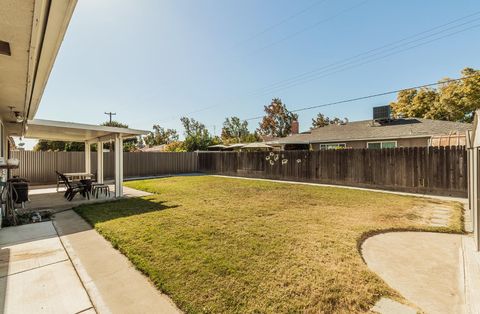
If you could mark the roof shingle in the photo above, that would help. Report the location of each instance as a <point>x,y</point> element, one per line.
<point>368,130</point>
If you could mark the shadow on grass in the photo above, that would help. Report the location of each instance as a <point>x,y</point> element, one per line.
<point>102,212</point>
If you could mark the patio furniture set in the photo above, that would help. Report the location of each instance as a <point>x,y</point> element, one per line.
<point>86,186</point>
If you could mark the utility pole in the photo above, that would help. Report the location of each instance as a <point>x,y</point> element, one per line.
<point>110,114</point>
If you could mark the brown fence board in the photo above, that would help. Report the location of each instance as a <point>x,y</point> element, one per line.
<point>430,170</point>
<point>40,167</point>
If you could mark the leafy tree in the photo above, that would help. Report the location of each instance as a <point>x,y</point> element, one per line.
<point>129,144</point>
<point>236,131</point>
<point>59,146</point>
<point>252,137</point>
<point>161,136</point>
<point>277,121</point>
<point>115,124</point>
<point>451,101</point>
<point>175,147</point>
<point>196,134</point>
<point>321,120</point>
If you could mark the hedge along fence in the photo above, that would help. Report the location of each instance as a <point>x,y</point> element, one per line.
<point>426,170</point>
<point>40,167</point>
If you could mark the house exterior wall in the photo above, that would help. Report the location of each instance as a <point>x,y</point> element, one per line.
<point>401,142</point>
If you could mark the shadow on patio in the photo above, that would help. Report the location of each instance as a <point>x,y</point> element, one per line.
<point>47,198</point>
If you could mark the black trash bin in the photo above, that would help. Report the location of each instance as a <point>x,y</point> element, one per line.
<point>20,185</point>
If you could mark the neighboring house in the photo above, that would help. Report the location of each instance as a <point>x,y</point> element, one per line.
<point>153,149</point>
<point>403,132</point>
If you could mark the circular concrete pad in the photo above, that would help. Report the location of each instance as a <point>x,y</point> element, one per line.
<point>424,267</point>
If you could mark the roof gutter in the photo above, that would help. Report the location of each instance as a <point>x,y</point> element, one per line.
<point>36,46</point>
<point>347,140</point>
<point>373,138</point>
<point>50,22</point>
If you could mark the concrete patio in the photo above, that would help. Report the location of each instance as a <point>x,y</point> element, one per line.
<point>426,268</point>
<point>64,266</point>
<point>437,272</point>
<point>47,198</point>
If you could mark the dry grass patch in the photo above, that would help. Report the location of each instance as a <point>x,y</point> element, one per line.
<point>240,246</point>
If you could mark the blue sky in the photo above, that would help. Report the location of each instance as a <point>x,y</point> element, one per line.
<point>154,61</point>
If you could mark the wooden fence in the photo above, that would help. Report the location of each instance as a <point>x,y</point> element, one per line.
<point>39,167</point>
<point>427,170</point>
<point>432,170</point>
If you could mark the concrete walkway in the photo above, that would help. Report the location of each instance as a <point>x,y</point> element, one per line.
<point>426,268</point>
<point>64,266</point>
<point>36,275</point>
<point>112,282</point>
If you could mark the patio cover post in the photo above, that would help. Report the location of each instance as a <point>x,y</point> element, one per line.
<point>476,177</point>
<point>475,163</point>
<point>118,165</point>
<point>99,161</point>
<point>88,161</point>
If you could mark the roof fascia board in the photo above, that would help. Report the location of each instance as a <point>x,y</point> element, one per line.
<point>93,127</point>
<point>39,23</point>
<point>371,139</point>
<point>59,15</point>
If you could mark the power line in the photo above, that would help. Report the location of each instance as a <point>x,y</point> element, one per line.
<point>110,114</point>
<point>309,27</point>
<point>343,65</point>
<point>371,50</point>
<point>372,96</point>
<point>281,22</point>
<point>314,74</point>
<point>372,60</point>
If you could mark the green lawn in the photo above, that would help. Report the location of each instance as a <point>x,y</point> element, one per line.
<point>218,245</point>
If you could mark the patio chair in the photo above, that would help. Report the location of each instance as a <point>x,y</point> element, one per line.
<point>72,188</point>
<point>59,180</point>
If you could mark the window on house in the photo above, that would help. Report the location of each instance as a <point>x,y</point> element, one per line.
<point>379,145</point>
<point>333,146</point>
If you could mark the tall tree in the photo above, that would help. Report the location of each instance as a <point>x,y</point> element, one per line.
<point>452,101</point>
<point>59,146</point>
<point>129,144</point>
<point>176,146</point>
<point>321,120</point>
<point>196,134</point>
<point>115,124</point>
<point>236,131</point>
<point>277,121</point>
<point>161,136</point>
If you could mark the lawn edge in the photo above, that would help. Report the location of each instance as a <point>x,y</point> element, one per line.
<point>397,296</point>
<point>457,217</point>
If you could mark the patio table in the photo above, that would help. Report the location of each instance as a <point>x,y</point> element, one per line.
<point>78,175</point>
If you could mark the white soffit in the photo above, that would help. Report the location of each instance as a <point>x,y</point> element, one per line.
<point>34,30</point>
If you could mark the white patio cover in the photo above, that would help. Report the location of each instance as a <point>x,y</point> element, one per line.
<point>79,132</point>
